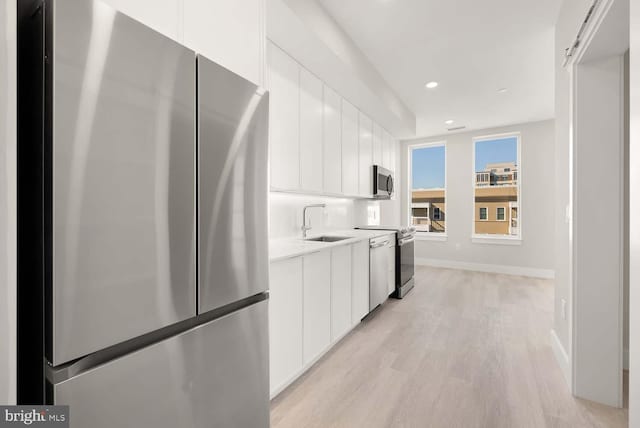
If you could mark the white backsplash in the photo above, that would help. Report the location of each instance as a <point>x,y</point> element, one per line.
<point>285,214</point>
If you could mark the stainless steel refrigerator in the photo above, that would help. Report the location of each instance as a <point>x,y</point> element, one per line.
<point>143,244</point>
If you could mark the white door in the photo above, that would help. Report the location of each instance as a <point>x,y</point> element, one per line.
<point>340,291</point>
<point>158,14</point>
<point>386,150</point>
<point>360,281</point>
<point>284,108</point>
<point>317,305</point>
<point>285,321</point>
<point>350,161</point>
<point>377,145</point>
<point>229,32</point>
<point>365,156</point>
<point>332,142</point>
<point>310,132</point>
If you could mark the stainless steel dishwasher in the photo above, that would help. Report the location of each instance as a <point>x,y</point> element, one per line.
<point>378,266</point>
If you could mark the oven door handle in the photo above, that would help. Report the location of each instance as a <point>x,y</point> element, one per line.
<point>406,241</point>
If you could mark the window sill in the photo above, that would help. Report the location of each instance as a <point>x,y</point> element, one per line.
<point>503,240</point>
<point>427,236</point>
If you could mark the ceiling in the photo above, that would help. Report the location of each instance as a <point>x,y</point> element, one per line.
<point>471,48</point>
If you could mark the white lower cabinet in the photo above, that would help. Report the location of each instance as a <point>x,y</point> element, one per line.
<point>359,281</point>
<point>340,291</point>
<point>285,321</point>
<point>316,335</point>
<point>314,300</point>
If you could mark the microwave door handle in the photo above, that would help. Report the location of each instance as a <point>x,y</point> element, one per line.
<point>390,184</point>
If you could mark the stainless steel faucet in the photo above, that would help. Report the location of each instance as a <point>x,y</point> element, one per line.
<point>304,218</point>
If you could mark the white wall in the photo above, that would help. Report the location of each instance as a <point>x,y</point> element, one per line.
<point>569,20</point>
<point>285,211</point>
<point>535,254</point>
<point>7,202</point>
<point>634,221</point>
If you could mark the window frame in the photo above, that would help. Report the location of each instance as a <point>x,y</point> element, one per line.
<point>423,235</point>
<point>486,213</point>
<point>439,218</point>
<point>504,214</point>
<point>486,238</point>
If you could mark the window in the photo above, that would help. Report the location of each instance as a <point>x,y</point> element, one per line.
<point>427,198</point>
<point>437,213</point>
<point>497,186</point>
<point>483,213</point>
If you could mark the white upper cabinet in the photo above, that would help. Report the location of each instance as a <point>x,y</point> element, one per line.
<point>332,138</point>
<point>229,32</point>
<point>317,304</point>
<point>377,145</point>
<point>311,107</point>
<point>284,151</point>
<point>350,151</point>
<point>366,155</point>
<point>386,150</point>
<point>340,291</point>
<point>161,15</point>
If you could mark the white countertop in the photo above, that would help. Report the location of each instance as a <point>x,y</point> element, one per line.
<point>285,248</point>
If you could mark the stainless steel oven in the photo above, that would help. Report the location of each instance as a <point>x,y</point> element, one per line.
<point>405,263</point>
<point>382,183</point>
<point>405,257</point>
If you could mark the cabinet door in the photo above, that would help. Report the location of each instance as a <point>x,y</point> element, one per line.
<point>310,132</point>
<point>317,304</point>
<point>285,321</point>
<point>332,139</point>
<point>386,150</point>
<point>360,281</point>
<point>377,145</point>
<point>340,291</point>
<point>391,263</point>
<point>350,161</point>
<point>284,108</point>
<point>158,14</point>
<point>229,32</point>
<point>365,156</point>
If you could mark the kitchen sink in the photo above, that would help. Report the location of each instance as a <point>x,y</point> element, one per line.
<point>328,238</point>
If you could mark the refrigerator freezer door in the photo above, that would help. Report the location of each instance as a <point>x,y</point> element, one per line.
<point>232,187</point>
<point>215,375</point>
<point>123,179</point>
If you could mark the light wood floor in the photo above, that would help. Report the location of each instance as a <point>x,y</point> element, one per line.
<point>463,349</point>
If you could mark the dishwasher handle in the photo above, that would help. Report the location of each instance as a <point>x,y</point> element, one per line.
<point>379,244</point>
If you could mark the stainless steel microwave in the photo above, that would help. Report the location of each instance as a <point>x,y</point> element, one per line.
<point>382,183</point>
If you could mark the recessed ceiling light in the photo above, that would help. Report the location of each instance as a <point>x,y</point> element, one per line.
<point>502,90</point>
<point>431,85</point>
<point>448,122</point>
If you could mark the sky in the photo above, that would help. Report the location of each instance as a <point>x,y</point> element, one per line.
<point>428,163</point>
<point>427,167</point>
<point>492,151</point>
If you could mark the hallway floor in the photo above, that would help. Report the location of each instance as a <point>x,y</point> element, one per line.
<point>463,349</point>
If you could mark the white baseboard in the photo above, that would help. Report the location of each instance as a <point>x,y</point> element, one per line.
<point>561,357</point>
<point>625,358</point>
<point>481,267</point>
